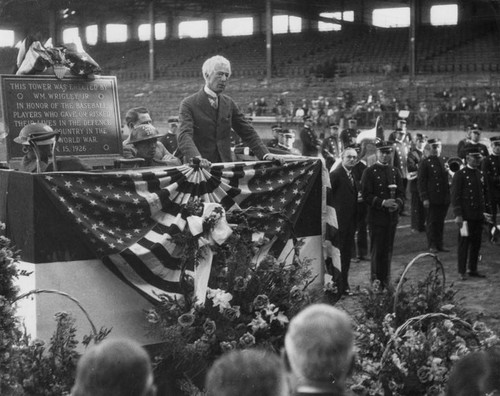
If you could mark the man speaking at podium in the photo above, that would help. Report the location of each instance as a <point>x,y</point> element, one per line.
<point>206,119</point>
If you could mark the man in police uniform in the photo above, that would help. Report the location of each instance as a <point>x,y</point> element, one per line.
<point>348,136</point>
<point>415,157</point>
<point>400,159</point>
<point>310,140</point>
<point>434,190</point>
<point>275,129</point>
<point>382,190</point>
<point>468,192</point>
<point>491,171</point>
<point>330,146</point>
<point>473,140</point>
<point>170,139</point>
<point>286,138</point>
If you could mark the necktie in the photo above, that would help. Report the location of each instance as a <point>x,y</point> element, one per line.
<point>351,179</point>
<point>213,102</point>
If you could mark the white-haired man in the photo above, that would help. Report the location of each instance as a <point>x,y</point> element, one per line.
<point>319,350</point>
<point>207,117</point>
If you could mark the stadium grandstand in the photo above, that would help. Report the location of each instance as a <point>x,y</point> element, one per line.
<point>358,57</point>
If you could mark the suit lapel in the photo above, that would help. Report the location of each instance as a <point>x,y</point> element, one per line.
<point>205,104</point>
<point>347,180</point>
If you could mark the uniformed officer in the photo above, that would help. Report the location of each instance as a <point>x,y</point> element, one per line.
<point>434,190</point>
<point>170,139</point>
<point>311,143</point>
<point>491,171</point>
<point>330,146</point>
<point>468,192</point>
<point>400,159</point>
<point>473,140</point>
<point>275,129</point>
<point>382,190</point>
<point>348,136</point>
<point>415,157</point>
<point>361,236</point>
<point>286,138</point>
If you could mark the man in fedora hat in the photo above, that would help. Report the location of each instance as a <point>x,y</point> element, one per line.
<point>468,192</point>
<point>382,190</point>
<point>434,190</point>
<point>143,143</point>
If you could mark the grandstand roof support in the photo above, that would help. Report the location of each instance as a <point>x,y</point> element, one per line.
<point>152,40</point>
<point>269,40</point>
<point>412,39</point>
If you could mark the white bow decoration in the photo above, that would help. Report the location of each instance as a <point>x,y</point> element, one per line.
<point>218,235</point>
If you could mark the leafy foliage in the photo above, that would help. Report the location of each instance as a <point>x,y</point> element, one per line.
<point>249,303</point>
<point>410,351</point>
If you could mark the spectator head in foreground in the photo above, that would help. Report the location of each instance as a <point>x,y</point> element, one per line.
<point>247,372</point>
<point>319,348</point>
<point>115,367</point>
<point>478,373</point>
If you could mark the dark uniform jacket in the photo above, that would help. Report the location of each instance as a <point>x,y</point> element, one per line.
<point>401,157</point>
<point>348,136</point>
<point>415,157</point>
<point>330,150</point>
<point>491,171</point>
<point>466,143</point>
<point>375,189</point>
<point>432,181</point>
<point>310,142</point>
<point>468,190</point>
<point>206,131</point>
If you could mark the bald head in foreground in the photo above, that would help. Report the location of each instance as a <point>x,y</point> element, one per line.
<point>319,347</point>
<point>115,367</point>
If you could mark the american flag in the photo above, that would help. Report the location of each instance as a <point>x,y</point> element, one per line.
<point>128,217</point>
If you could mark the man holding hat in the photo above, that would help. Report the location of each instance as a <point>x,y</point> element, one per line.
<point>434,190</point>
<point>143,143</point>
<point>468,192</point>
<point>415,157</point>
<point>491,171</point>
<point>472,140</point>
<point>382,190</point>
<point>310,140</point>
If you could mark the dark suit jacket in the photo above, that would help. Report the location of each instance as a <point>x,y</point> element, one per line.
<point>206,131</point>
<point>344,198</point>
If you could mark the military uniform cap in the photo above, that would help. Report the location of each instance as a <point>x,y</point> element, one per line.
<point>421,137</point>
<point>286,132</point>
<point>475,127</point>
<point>434,141</point>
<point>382,145</point>
<point>495,139</point>
<point>473,151</point>
<point>144,132</point>
<point>173,119</point>
<point>275,127</point>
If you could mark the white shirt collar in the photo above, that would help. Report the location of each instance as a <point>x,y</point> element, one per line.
<point>209,92</point>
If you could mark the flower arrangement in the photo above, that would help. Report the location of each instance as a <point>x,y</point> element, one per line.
<point>409,348</point>
<point>248,302</point>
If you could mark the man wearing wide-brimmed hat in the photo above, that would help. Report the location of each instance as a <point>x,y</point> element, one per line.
<point>382,190</point>
<point>143,144</point>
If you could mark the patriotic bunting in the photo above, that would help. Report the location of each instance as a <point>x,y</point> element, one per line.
<point>128,217</point>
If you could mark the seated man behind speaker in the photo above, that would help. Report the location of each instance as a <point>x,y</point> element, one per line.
<point>43,140</point>
<point>143,144</point>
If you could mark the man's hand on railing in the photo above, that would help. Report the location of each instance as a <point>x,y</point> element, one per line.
<point>202,162</point>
